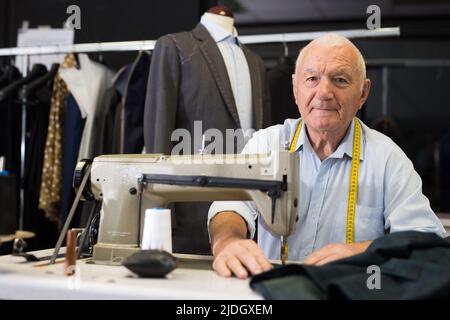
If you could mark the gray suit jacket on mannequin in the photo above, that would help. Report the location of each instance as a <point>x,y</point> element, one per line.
<point>188,82</point>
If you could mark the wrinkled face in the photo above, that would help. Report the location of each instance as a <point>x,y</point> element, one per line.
<point>328,88</point>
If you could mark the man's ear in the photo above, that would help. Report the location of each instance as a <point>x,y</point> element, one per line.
<point>365,92</point>
<point>294,87</point>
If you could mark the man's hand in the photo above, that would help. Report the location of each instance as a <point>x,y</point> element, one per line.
<point>240,257</point>
<point>233,253</point>
<point>336,251</point>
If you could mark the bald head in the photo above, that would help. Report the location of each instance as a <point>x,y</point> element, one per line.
<point>330,84</point>
<point>331,40</point>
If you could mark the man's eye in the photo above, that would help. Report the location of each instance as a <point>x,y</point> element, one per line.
<point>311,79</point>
<point>340,80</point>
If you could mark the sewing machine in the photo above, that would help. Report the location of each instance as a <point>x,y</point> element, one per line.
<point>129,184</point>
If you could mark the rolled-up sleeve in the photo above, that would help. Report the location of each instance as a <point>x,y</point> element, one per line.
<point>245,209</point>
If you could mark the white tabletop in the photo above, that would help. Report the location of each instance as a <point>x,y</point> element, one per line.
<point>31,280</point>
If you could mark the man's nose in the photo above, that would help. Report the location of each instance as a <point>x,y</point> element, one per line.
<point>324,90</point>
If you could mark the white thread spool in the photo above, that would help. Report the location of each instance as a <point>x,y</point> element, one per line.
<point>157,230</point>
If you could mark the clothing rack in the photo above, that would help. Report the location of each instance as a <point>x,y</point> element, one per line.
<point>150,45</point>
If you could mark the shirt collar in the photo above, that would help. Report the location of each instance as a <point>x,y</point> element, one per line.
<point>217,33</point>
<point>345,147</point>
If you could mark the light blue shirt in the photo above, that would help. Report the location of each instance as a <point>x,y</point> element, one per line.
<point>390,197</point>
<point>237,68</point>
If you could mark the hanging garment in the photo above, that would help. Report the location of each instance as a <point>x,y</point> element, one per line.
<point>120,82</point>
<point>105,121</point>
<point>73,131</point>
<point>20,92</point>
<point>445,171</point>
<point>411,265</point>
<point>50,189</point>
<point>281,93</point>
<point>92,88</point>
<point>9,200</point>
<point>131,83</point>
<point>10,124</point>
<point>37,126</point>
<point>188,81</point>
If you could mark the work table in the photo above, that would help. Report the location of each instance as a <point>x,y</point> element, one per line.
<point>190,281</point>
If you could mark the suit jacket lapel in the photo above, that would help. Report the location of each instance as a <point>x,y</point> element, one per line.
<point>257,90</point>
<point>216,65</point>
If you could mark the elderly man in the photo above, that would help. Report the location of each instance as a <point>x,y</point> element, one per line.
<point>330,86</point>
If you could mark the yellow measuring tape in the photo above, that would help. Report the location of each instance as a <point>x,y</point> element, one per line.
<point>353,189</point>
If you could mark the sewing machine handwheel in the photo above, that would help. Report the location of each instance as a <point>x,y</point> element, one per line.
<point>81,170</point>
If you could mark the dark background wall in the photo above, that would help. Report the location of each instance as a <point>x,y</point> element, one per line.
<point>417,97</point>
<point>103,20</point>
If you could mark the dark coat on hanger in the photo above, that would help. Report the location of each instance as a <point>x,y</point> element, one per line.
<point>188,81</point>
<point>10,124</point>
<point>131,82</point>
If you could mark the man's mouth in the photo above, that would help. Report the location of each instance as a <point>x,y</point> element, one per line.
<point>324,109</point>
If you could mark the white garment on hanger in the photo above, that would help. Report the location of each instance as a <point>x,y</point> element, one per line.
<point>88,86</point>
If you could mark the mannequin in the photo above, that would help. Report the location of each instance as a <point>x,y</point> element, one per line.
<point>221,28</point>
<point>225,22</point>
<point>221,10</point>
<point>193,78</point>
